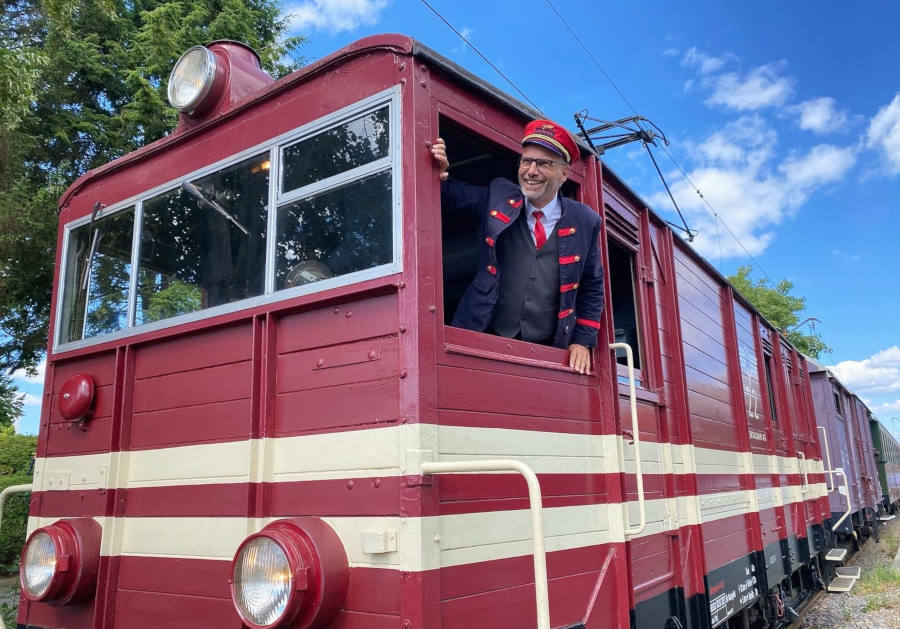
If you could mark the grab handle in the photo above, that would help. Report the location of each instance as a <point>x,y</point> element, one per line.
<point>636,435</point>
<point>828,470</point>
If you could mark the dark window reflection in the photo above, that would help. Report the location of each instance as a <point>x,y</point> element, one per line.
<point>336,232</point>
<point>337,150</point>
<point>204,244</point>
<point>98,269</point>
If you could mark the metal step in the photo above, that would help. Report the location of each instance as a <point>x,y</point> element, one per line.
<point>842,584</point>
<point>853,572</point>
<point>886,518</point>
<point>836,554</point>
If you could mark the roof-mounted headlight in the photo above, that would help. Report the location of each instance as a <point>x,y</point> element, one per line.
<point>192,79</point>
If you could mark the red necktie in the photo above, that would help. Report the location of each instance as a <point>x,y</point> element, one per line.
<point>540,236</point>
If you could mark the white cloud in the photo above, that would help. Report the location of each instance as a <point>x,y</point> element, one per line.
<point>760,87</point>
<point>823,164</point>
<point>334,15</point>
<point>877,375</point>
<point>819,115</point>
<point>38,378</point>
<point>705,64</point>
<point>31,400</point>
<point>884,134</point>
<point>883,411</point>
<point>466,32</point>
<point>738,173</point>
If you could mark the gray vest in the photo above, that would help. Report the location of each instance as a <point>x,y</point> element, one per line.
<point>529,285</point>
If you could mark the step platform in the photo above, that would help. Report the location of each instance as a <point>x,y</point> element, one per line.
<point>836,554</point>
<point>842,584</point>
<point>886,518</point>
<point>854,572</point>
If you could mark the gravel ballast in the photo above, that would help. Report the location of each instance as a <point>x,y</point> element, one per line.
<point>874,602</point>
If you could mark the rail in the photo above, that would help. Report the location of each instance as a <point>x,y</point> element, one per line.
<point>846,492</point>
<point>6,493</point>
<point>635,429</point>
<point>828,470</point>
<point>541,593</point>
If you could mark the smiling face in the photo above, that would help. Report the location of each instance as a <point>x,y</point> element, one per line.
<point>539,186</point>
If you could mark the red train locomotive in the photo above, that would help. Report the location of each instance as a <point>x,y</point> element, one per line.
<point>258,414</point>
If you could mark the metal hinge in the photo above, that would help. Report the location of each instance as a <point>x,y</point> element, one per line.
<point>647,275</point>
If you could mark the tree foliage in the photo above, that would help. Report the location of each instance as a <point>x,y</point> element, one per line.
<point>782,309</point>
<point>83,82</point>
<point>10,401</point>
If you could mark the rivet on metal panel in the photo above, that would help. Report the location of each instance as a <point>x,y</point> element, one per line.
<point>432,308</point>
<point>350,484</point>
<point>406,623</point>
<point>349,314</point>
<point>402,328</point>
<point>402,67</point>
<point>376,483</point>
<point>423,82</point>
<point>320,362</point>
<point>403,373</point>
<point>371,354</point>
<point>437,539</point>
<point>401,284</point>
<point>336,310</point>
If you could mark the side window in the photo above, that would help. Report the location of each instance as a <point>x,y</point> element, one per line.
<point>770,388</point>
<point>837,403</point>
<point>623,293</point>
<point>98,271</point>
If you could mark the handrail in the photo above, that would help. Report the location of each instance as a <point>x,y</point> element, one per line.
<point>632,394</point>
<point>541,592</point>
<point>840,471</point>
<point>803,471</point>
<point>6,493</point>
<point>828,469</point>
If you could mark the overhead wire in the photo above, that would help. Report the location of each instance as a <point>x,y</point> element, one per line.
<point>716,216</point>
<point>480,54</point>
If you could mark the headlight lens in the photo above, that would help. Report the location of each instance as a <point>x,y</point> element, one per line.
<point>39,565</point>
<point>191,79</point>
<point>262,581</point>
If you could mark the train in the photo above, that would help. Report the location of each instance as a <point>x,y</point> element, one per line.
<point>258,414</point>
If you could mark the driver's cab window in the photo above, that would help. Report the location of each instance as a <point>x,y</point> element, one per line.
<point>477,161</point>
<point>623,294</point>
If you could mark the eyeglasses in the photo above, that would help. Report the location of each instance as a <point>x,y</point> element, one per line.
<point>543,165</point>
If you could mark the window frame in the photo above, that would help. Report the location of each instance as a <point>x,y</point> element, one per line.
<point>390,97</point>
<point>463,342</point>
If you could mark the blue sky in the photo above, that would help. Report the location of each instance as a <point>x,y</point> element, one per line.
<point>785,114</point>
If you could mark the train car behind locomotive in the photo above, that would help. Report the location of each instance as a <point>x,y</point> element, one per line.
<point>258,414</point>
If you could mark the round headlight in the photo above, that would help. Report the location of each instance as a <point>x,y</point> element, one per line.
<point>39,565</point>
<point>60,562</point>
<point>192,78</point>
<point>262,581</point>
<point>293,573</point>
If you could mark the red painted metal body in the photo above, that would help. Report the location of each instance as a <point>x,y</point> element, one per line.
<point>320,404</point>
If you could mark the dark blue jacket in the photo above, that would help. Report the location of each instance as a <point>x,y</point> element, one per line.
<point>580,272</point>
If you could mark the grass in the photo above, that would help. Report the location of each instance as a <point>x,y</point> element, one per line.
<point>881,579</point>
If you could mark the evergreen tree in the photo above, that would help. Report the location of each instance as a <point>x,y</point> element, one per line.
<point>83,82</point>
<point>782,309</point>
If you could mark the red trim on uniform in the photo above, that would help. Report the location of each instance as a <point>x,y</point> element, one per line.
<point>500,216</point>
<point>567,231</point>
<point>490,241</point>
<point>569,259</point>
<point>588,323</point>
<point>566,313</point>
<point>516,203</point>
<point>491,269</point>
<point>567,287</point>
